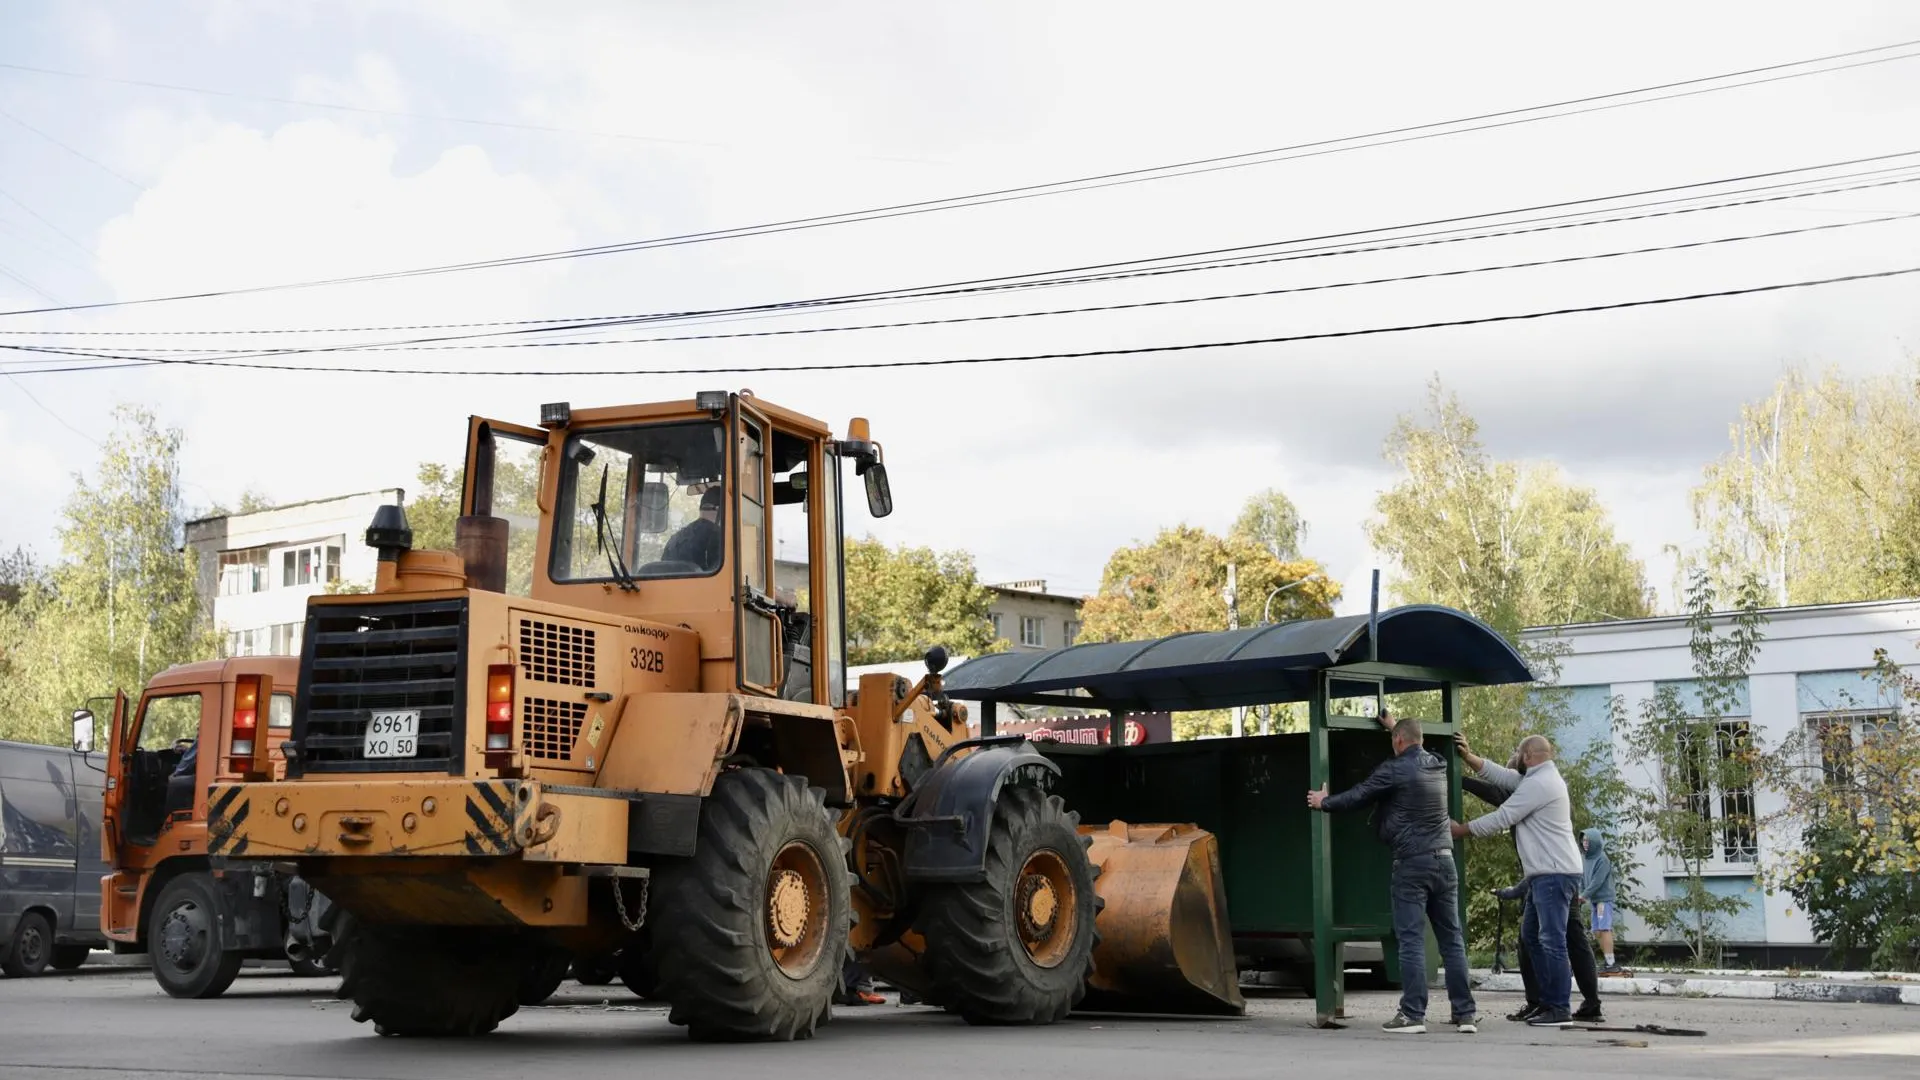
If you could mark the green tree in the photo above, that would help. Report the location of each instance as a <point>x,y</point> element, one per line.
<point>1692,760</point>
<point>902,602</point>
<point>1850,785</point>
<point>121,604</point>
<point>253,500</point>
<point>1516,546</point>
<point>1176,584</point>
<point>1513,544</point>
<point>1271,521</point>
<point>1817,494</point>
<point>435,506</point>
<point>18,574</point>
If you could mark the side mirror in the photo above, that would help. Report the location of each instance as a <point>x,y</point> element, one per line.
<point>82,731</point>
<point>879,495</point>
<point>653,508</point>
<point>936,660</point>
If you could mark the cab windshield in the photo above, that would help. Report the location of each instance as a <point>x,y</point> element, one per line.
<point>646,501</point>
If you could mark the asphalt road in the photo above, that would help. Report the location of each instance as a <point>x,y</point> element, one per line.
<point>115,1023</point>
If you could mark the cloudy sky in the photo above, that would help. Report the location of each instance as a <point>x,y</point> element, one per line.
<point>150,150</point>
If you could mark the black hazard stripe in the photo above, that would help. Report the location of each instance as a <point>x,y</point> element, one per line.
<point>491,838</point>
<point>221,830</point>
<point>219,808</point>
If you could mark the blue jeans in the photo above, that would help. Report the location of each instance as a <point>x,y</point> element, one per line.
<point>1426,888</point>
<point>1543,933</point>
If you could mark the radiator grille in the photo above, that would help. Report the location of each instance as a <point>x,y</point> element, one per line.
<point>551,726</point>
<point>556,653</point>
<point>366,657</point>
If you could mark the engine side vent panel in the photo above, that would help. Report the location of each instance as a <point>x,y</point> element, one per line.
<point>556,653</point>
<point>551,727</point>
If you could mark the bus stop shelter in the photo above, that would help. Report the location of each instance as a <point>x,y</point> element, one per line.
<point>1290,872</point>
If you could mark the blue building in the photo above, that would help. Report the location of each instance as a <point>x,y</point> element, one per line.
<point>1814,668</point>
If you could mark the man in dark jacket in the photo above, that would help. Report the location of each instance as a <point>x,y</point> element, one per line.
<point>1410,789</point>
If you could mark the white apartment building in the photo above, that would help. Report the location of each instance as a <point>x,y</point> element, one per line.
<point>1814,667</point>
<point>256,570</point>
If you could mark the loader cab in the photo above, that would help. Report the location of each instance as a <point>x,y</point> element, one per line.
<point>724,515</point>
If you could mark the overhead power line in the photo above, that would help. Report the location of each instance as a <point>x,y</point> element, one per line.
<point>1074,275</point>
<point>1098,308</point>
<point>1901,175</point>
<point>1386,137</point>
<point>870,365</point>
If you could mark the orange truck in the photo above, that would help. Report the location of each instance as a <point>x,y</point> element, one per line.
<point>197,919</point>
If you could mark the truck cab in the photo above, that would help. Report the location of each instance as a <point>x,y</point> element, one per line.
<point>194,724</point>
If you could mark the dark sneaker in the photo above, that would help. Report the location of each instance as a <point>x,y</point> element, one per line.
<point>1613,971</point>
<point>1466,1025</point>
<point>1550,1018</point>
<point>1589,1013</point>
<point>1400,1025</point>
<point>1523,1014</point>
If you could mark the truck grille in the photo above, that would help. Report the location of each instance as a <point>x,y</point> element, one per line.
<point>367,657</point>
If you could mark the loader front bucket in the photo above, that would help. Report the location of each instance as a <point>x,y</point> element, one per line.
<point>1165,943</point>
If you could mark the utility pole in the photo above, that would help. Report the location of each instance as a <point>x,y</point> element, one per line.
<point>1232,597</point>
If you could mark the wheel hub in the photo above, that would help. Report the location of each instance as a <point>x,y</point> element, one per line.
<point>180,937</point>
<point>1046,904</point>
<point>787,908</point>
<point>1039,905</point>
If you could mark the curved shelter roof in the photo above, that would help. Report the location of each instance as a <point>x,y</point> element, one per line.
<point>1421,647</point>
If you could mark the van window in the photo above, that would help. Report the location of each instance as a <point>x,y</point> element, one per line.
<point>166,720</point>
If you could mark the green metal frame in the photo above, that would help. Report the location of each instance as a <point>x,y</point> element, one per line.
<point>1329,984</point>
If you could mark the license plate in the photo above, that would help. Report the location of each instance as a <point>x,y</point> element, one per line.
<point>393,734</point>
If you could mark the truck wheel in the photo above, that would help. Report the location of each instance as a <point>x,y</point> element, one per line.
<point>1017,947</point>
<point>543,978</point>
<point>749,934</point>
<point>640,970</point>
<point>183,937</point>
<point>431,981</point>
<point>311,969</point>
<point>69,957</point>
<point>597,970</point>
<point>32,946</point>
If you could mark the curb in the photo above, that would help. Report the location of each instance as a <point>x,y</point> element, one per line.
<point>1747,989</point>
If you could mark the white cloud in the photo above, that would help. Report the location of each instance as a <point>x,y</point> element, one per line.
<point>1040,469</point>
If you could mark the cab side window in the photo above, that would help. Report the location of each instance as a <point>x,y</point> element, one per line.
<point>166,720</point>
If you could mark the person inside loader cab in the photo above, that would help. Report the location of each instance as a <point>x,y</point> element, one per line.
<point>1410,789</point>
<point>699,541</point>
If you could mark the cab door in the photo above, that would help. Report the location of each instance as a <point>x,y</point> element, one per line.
<point>119,752</point>
<point>503,480</point>
<point>757,636</point>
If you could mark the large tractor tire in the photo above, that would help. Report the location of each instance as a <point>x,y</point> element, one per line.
<point>430,981</point>
<point>1017,947</point>
<point>183,939</point>
<point>598,969</point>
<point>749,934</point>
<point>543,978</point>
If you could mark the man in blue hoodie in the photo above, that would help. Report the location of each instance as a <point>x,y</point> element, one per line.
<point>1597,886</point>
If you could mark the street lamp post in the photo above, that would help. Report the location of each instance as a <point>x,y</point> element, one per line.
<point>1266,613</point>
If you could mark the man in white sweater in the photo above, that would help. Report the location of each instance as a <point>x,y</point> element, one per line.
<point>1540,813</point>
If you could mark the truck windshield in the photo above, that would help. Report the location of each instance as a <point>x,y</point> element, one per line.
<point>646,501</point>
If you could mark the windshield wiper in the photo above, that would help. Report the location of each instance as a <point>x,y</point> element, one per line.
<point>605,539</point>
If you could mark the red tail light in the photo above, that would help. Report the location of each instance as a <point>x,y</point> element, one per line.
<point>499,715</point>
<point>246,720</point>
